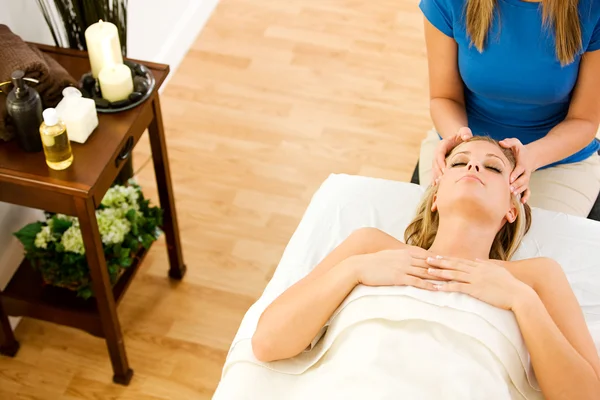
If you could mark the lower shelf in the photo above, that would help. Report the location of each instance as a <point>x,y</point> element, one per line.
<point>27,296</point>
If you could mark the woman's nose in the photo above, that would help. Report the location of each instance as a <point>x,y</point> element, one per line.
<point>473,166</point>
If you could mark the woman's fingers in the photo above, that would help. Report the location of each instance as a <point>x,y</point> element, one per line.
<point>419,262</point>
<point>453,287</point>
<point>449,263</point>
<point>456,276</point>
<point>420,268</point>
<point>422,273</point>
<point>408,280</point>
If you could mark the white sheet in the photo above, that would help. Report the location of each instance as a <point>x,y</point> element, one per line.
<point>344,203</point>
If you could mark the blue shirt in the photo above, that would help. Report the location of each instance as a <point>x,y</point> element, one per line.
<point>516,87</point>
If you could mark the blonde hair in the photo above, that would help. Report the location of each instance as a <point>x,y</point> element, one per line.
<point>562,16</point>
<point>422,230</point>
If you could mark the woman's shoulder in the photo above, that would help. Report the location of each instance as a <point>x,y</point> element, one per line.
<point>546,263</point>
<point>374,239</point>
<point>531,270</point>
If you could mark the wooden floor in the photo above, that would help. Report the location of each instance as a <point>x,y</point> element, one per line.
<point>272,98</point>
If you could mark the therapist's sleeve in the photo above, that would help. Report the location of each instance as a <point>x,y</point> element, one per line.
<point>595,40</point>
<point>439,14</point>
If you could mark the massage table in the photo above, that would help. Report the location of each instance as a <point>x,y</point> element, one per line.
<point>344,203</point>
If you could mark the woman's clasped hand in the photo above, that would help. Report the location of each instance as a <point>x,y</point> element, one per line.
<point>482,279</point>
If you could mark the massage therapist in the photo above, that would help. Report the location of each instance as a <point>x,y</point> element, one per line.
<point>527,74</point>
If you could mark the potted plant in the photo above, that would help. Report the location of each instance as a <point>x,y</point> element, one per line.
<point>70,19</point>
<point>126,222</point>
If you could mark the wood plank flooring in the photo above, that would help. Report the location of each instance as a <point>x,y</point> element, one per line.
<point>272,98</point>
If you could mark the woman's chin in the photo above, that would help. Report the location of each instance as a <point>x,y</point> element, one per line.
<point>471,202</point>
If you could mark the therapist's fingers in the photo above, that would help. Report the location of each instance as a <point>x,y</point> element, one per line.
<point>511,143</point>
<point>525,196</point>
<point>465,133</point>
<point>519,186</point>
<point>518,172</point>
<point>437,169</point>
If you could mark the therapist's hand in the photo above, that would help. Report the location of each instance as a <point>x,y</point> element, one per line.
<point>443,148</point>
<point>520,176</point>
<point>403,267</point>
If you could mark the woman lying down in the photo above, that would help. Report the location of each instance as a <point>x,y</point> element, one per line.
<point>446,316</point>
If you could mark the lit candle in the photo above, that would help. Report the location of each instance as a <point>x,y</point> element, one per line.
<point>115,82</point>
<point>104,47</point>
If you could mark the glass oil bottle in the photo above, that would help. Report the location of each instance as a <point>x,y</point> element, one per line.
<point>55,141</point>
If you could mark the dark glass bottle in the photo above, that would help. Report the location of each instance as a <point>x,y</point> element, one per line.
<point>24,106</point>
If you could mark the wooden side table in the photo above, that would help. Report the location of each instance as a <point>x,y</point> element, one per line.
<point>26,180</point>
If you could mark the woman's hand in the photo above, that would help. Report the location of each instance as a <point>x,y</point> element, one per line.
<point>444,147</point>
<point>520,176</point>
<point>405,267</point>
<point>481,279</point>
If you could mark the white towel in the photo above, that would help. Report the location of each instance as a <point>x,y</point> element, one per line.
<point>398,333</point>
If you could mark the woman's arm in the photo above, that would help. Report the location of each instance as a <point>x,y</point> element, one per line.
<point>562,351</point>
<point>290,323</point>
<point>581,124</point>
<point>550,319</point>
<point>446,91</point>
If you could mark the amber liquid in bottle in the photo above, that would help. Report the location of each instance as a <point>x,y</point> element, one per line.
<point>55,141</point>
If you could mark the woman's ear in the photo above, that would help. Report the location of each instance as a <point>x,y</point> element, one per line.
<point>512,213</point>
<point>434,203</point>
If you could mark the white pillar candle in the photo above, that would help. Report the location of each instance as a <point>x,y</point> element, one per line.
<point>104,46</point>
<point>116,82</point>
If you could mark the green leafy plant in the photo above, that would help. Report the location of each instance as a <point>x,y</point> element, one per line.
<point>75,16</point>
<point>55,247</point>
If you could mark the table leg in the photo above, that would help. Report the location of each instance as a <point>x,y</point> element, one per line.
<point>103,290</point>
<point>8,344</point>
<point>165,191</point>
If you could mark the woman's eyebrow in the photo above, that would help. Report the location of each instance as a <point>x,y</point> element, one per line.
<point>493,155</point>
<point>487,155</point>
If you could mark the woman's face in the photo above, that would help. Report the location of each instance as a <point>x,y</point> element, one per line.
<point>477,179</point>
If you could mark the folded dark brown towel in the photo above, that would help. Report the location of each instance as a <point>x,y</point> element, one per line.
<point>17,54</point>
<point>6,128</point>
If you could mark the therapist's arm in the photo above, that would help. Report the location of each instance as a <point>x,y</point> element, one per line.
<point>446,90</point>
<point>292,321</point>
<point>562,351</point>
<point>581,123</point>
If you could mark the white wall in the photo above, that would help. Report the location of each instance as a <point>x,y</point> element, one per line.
<point>158,30</point>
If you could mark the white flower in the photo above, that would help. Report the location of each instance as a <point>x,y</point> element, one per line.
<point>122,197</point>
<point>43,237</point>
<point>113,225</point>
<point>72,240</point>
<point>112,221</point>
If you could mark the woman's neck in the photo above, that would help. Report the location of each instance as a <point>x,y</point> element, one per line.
<point>463,238</point>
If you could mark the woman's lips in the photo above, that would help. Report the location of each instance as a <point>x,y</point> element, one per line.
<point>472,177</point>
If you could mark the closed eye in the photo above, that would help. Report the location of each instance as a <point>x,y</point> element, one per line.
<point>498,170</point>
<point>490,167</point>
